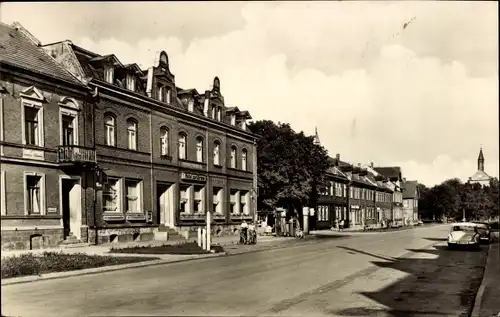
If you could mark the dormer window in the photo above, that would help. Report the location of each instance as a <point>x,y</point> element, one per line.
<point>130,82</point>
<point>243,124</point>
<point>109,73</point>
<point>233,119</point>
<point>169,96</point>
<point>191,105</point>
<point>219,114</point>
<point>214,113</point>
<point>161,92</point>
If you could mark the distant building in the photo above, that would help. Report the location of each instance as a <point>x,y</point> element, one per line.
<point>411,195</point>
<point>480,177</point>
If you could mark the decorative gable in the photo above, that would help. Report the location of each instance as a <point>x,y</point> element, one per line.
<point>33,93</point>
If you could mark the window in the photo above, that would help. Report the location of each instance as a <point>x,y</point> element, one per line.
<point>216,153</point>
<point>32,127</point>
<point>133,196</point>
<point>130,82</point>
<point>233,157</point>
<point>110,129</point>
<point>233,119</point>
<point>217,199</point>
<point>109,74</point>
<point>199,149</point>
<point>245,202</point>
<point>233,203</point>
<point>34,195</point>
<point>214,113</point>
<point>169,96</point>
<point>344,189</point>
<point>69,131</point>
<point>182,146</point>
<point>111,195</point>
<point>199,195</point>
<point>191,105</point>
<point>243,125</point>
<point>219,114</point>
<point>161,93</point>
<point>244,159</point>
<point>132,134</point>
<point>184,199</point>
<point>164,141</point>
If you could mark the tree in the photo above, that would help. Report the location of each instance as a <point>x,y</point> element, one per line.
<point>290,166</point>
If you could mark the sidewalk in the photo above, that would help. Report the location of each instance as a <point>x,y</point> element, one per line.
<point>487,302</point>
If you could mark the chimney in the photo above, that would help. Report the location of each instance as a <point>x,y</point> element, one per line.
<point>149,84</point>
<point>371,164</point>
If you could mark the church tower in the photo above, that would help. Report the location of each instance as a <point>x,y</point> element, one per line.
<point>316,136</point>
<point>480,161</point>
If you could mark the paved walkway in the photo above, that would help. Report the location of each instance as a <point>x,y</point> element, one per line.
<point>488,297</point>
<point>104,249</point>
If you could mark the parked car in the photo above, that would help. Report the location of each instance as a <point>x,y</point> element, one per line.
<point>484,231</point>
<point>463,234</point>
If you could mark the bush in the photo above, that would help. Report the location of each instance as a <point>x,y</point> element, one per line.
<point>181,248</point>
<point>49,262</point>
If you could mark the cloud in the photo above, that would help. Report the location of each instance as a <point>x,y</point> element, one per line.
<point>423,97</point>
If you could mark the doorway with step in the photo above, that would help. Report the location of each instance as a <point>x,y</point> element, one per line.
<point>165,204</point>
<point>71,206</point>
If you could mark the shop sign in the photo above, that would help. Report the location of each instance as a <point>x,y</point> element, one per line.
<point>193,177</point>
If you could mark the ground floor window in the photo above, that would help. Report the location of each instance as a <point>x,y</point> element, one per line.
<point>234,202</point>
<point>133,196</point>
<point>111,195</point>
<point>322,213</point>
<point>199,198</point>
<point>217,199</point>
<point>34,194</point>
<point>184,199</point>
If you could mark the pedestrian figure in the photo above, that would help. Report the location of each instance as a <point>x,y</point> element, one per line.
<point>251,234</point>
<point>337,224</point>
<point>243,232</point>
<point>341,227</point>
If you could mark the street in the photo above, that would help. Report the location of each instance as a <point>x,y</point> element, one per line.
<point>406,273</point>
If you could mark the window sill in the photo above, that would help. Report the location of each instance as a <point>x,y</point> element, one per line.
<point>194,162</point>
<point>239,170</point>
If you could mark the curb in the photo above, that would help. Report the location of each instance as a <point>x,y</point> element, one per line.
<point>111,268</point>
<point>480,292</point>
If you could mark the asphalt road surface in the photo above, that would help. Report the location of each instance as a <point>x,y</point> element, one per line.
<point>406,273</point>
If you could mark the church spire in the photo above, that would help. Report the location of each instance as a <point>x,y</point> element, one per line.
<point>316,136</point>
<point>480,160</point>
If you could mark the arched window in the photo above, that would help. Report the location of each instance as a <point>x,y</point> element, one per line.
<point>244,159</point>
<point>132,134</point>
<point>216,153</point>
<point>110,129</point>
<point>233,156</point>
<point>164,141</point>
<point>199,149</point>
<point>182,146</point>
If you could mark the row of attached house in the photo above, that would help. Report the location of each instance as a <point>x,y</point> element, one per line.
<point>366,196</point>
<point>93,150</point>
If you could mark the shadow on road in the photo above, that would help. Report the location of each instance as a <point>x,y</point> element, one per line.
<point>440,283</point>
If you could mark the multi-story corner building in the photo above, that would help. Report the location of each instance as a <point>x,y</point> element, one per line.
<point>333,199</point>
<point>168,154</point>
<point>47,156</point>
<point>137,151</point>
<point>411,195</point>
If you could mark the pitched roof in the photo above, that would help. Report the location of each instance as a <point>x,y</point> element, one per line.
<point>410,188</point>
<point>390,171</point>
<point>18,50</point>
<point>480,176</point>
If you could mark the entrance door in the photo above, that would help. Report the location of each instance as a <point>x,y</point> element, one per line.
<point>71,207</point>
<point>164,206</point>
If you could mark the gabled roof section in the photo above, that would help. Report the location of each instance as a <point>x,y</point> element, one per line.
<point>392,172</point>
<point>245,115</point>
<point>410,190</point>
<point>18,50</point>
<point>232,109</point>
<point>135,68</point>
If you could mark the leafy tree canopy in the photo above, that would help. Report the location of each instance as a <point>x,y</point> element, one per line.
<point>289,165</point>
<point>452,197</point>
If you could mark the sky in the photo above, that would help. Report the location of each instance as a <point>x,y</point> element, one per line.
<point>409,84</point>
